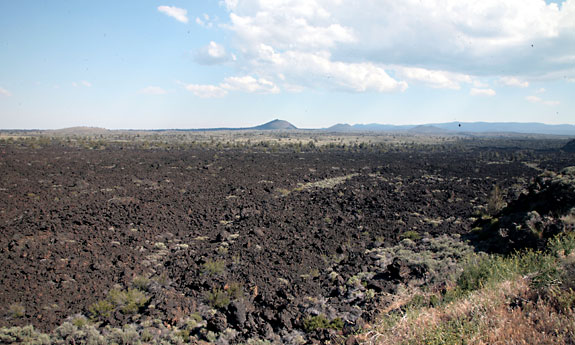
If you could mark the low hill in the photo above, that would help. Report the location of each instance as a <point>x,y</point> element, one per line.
<point>425,129</point>
<point>80,130</point>
<point>340,127</point>
<point>275,125</point>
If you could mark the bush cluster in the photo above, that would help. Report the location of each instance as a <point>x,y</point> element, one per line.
<point>129,301</point>
<point>313,323</point>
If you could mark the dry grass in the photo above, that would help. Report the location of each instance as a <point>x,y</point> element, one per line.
<point>326,183</point>
<point>507,313</point>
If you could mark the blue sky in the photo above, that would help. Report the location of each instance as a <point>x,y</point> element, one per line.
<point>192,64</point>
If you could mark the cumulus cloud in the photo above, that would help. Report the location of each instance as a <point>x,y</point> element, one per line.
<point>211,54</point>
<point>535,99</point>
<point>294,38</point>
<point>435,79</point>
<point>153,90</point>
<point>512,81</point>
<point>5,92</point>
<point>482,92</point>
<point>206,91</point>
<point>249,84</point>
<point>487,36</point>
<point>382,45</point>
<point>179,14</point>
<point>317,69</point>
<point>540,90</point>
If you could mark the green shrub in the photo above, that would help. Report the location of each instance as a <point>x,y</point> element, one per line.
<point>23,335</point>
<point>412,235</point>
<point>101,309</point>
<point>129,301</point>
<point>80,321</point>
<point>544,267</point>
<point>235,291</point>
<point>562,244</point>
<point>495,203</point>
<point>313,323</point>
<point>16,310</point>
<point>218,298</point>
<point>141,283</point>
<point>213,267</point>
<point>146,335</point>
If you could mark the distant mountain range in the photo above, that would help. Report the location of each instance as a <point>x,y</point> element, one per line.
<point>447,128</point>
<point>461,128</point>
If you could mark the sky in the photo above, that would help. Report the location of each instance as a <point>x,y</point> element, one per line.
<point>146,64</point>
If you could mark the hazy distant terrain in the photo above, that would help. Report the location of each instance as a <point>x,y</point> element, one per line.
<point>276,235</point>
<point>448,128</point>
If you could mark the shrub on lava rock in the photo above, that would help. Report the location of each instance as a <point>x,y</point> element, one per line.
<point>218,298</point>
<point>495,203</point>
<point>313,323</point>
<point>23,335</point>
<point>101,310</point>
<point>213,267</point>
<point>16,310</point>
<point>141,283</point>
<point>412,235</point>
<point>127,301</point>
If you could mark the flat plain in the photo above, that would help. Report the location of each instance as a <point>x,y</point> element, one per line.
<point>244,238</point>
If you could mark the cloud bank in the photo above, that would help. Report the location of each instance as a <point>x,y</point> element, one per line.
<point>386,45</point>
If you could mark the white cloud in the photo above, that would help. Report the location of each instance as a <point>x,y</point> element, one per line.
<point>5,92</point>
<point>206,91</point>
<point>153,90</point>
<point>435,79</point>
<point>200,22</point>
<point>318,70</point>
<point>438,43</point>
<point>205,22</point>
<point>230,4</point>
<point>249,84</point>
<point>82,83</point>
<point>246,83</point>
<point>540,90</point>
<point>482,92</point>
<point>512,81</point>
<point>284,29</point>
<point>213,53</point>
<point>535,99</point>
<point>179,14</point>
